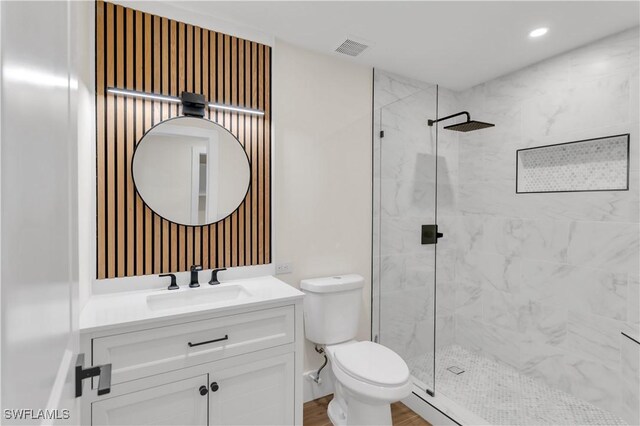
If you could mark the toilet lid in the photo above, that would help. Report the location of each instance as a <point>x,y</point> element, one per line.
<point>372,363</point>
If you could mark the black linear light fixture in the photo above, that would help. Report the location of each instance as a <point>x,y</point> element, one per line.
<point>177,100</point>
<point>466,126</point>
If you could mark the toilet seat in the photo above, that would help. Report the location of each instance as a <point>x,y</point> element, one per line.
<point>372,363</point>
<point>370,372</point>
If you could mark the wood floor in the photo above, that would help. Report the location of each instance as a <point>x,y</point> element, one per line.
<point>315,414</point>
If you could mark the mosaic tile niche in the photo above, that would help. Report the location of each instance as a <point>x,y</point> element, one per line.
<point>600,164</point>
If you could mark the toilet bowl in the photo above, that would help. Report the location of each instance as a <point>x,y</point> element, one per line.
<point>369,376</point>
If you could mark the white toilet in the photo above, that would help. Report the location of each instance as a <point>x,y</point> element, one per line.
<point>369,376</point>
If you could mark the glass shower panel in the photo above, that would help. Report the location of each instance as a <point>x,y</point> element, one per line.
<point>404,201</point>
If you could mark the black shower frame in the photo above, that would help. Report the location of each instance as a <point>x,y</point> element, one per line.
<point>628,135</point>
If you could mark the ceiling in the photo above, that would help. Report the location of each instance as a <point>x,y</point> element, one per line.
<point>457,44</point>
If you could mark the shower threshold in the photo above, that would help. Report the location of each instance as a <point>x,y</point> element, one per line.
<point>494,393</point>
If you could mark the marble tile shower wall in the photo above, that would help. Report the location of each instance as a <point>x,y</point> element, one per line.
<point>547,282</point>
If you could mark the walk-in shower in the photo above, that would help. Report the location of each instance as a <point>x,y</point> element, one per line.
<point>516,314</point>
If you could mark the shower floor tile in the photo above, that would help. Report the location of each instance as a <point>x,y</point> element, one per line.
<point>501,395</point>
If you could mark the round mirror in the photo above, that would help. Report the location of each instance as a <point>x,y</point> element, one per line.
<point>191,171</point>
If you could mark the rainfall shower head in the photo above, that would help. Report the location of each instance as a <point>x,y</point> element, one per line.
<point>466,126</point>
<point>469,126</point>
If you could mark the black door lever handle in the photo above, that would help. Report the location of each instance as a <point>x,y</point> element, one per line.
<point>103,371</point>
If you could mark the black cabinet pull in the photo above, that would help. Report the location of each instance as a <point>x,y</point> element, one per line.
<point>226,337</point>
<point>214,386</point>
<point>203,390</point>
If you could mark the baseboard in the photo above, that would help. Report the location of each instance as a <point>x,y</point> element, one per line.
<point>312,390</point>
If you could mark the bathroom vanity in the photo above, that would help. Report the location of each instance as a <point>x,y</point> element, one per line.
<point>215,355</point>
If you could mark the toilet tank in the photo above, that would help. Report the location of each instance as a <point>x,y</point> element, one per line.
<point>332,308</point>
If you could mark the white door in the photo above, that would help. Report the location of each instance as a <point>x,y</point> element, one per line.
<point>38,211</point>
<point>258,393</point>
<point>183,402</point>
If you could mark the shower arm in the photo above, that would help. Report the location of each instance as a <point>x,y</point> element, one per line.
<point>432,122</point>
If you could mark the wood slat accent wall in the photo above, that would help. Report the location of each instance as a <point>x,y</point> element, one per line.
<point>136,50</point>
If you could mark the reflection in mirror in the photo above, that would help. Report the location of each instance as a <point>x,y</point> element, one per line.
<point>191,171</point>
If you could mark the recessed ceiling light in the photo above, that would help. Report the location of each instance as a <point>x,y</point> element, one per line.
<point>538,32</point>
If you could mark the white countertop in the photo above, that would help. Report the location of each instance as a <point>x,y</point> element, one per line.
<point>119,309</point>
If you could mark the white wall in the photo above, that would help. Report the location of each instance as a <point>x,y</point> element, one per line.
<point>322,170</point>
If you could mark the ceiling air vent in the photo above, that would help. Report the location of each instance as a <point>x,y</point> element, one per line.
<point>351,48</point>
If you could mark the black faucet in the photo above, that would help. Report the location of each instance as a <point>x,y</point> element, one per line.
<point>173,285</point>
<point>214,276</point>
<point>194,276</point>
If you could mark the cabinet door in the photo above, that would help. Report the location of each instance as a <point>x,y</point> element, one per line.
<point>257,393</point>
<point>174,403</point>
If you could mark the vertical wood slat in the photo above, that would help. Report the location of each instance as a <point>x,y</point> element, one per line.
<point>189,87</point>
<point>139,131</point>
<point>197,88</point>
<point>212,90</point>
<point>165,115</point>
<point>110,148</point>
<point>219,117</point>
<point>205,90</point>
<point>120,144</point>
<point>148,214</point>
<point>261,148</point>
<point>130,146</point>
<point>248,147</point>
<point>254,154</point>
<point>267,161</point>
<point>140,51</point>
<point>242,139</point>
<point>228,231</point>
<point>234,129</point>
<point>181,77</point>
<point>173,91</point>
<point>157,74</point>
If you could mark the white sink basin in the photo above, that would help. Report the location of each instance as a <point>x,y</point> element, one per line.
<point>201,296</point>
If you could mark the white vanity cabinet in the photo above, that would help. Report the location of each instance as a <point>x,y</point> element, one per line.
<point>174,403</point>
<point>255,393</point>
<point>240,392</point>
<point>238,367</point>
